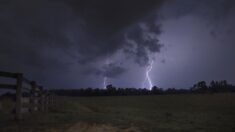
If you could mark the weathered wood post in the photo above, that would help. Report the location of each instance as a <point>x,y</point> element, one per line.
<point>49,102</point>
<point>32,96</point>
<point>43,102</point>
<point>53,101</point>
<point>46,101</point>
<point>42,99</point>
<point>19,82</point>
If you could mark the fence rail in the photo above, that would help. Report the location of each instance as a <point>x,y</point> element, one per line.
<point>37,98</point>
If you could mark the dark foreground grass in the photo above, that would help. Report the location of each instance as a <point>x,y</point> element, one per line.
<point>163,113</point>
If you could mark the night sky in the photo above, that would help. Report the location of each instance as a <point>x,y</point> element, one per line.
<point>79,43</point>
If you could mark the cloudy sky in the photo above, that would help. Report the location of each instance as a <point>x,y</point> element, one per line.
<point>81,43</point>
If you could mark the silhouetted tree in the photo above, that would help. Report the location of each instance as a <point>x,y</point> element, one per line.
<point>111,90</point>
<point>156,90</point>
<point>200,87</point>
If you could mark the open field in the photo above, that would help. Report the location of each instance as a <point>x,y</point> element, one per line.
<point>164,113</point>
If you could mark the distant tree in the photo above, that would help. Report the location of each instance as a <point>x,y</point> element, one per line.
<point>111,90</point>
<point>212,84</point>
<point>224,84</point>
<point>199,87</point>
<point>156,90</point>
<point>224,87</point>
<point>202,85</point>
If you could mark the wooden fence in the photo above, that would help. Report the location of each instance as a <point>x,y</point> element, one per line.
<point>30,97</point>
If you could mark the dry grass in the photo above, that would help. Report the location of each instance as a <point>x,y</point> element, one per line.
<point>165,113</point>
<point>84,127</point>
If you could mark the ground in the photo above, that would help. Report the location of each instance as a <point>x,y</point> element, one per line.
<point>165,113</point>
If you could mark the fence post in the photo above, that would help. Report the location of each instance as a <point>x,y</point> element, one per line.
<point>50,102</point>
<point>18,108</point>
<point>43,104</point>
<point>46,101</point>
<point>42,98</point>
<point>32,96</point>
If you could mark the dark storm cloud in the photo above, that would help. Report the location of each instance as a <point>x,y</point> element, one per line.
<point>218,14</point>
<point>208,8</point>
<point>86,30</point>
<point>107,22</point>
<point>28,29</point>
<point>49,37</point>
<point>143,40</point>
<point>215,12</point>
<point>110,16</point>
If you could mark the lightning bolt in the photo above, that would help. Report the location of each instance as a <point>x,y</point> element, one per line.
<point>147,77</point>
<point>105,77</point>
<point>105,82</point>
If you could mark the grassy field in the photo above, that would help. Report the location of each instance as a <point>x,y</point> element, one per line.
<point>164,113</point>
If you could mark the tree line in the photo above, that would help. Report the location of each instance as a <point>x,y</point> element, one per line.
<point>200,87</point>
